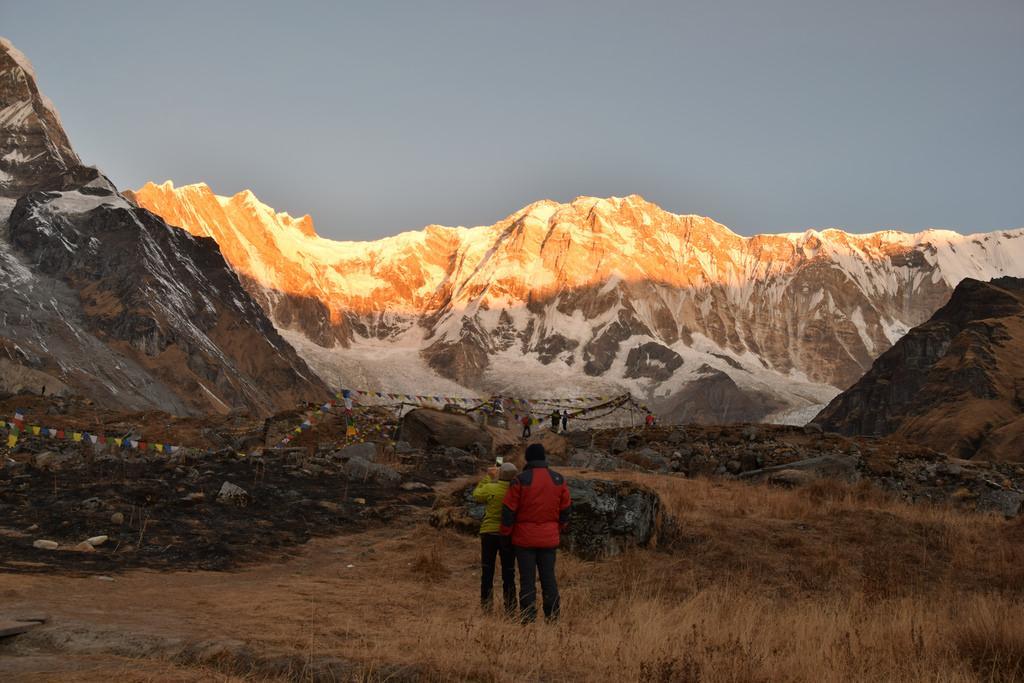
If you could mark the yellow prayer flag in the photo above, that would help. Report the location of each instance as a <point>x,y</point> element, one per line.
<point>35,430</point>
<point>12,440</point>
<point>159,447</point>
<point>76,436</point>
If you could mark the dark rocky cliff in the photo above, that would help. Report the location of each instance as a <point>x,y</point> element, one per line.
<point>955,383</point>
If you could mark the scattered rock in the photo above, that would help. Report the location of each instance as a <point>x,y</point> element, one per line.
<point>84,547</point>
<point>117,518</point>
<point>96,541</point>
<point>50,460</point>
<point>232,494</point>
<point>648,459</point>
<point>949,469</point>
<point>701,464</point>
<point>751,461</point>
<point>358,468</point>
<point>43,544</point>
<point>579,438</point>
<point>454,463</point>
<point>594,461</point>
<point>368,451</point>
<point>415,486</point>
<point>1006,503</point>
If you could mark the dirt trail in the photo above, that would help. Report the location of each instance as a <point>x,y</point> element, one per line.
<point>266,620</point>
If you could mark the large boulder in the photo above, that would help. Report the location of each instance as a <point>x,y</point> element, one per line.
<point>608,516</point>
<point>427,429</point>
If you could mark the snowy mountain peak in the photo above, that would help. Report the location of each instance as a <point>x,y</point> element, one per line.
<point>598,292</point>
<point>161,198</point>
<point>102,298</point>
<point>33,146</point>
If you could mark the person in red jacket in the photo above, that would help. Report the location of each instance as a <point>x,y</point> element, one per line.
<point>534,513</point>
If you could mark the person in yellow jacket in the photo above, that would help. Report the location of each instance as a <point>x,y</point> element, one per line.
<point>491,492</point>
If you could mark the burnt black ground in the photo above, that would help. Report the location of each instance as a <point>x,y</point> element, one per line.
<point>292,499</point>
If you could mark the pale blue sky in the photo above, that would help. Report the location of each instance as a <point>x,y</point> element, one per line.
<point>385,116</point>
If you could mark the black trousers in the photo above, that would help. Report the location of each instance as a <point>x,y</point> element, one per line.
<point>526,431</point>
<point>533,561</point>
<point>493,546</point>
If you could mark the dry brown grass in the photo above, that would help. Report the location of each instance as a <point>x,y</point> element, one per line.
<point>829,583</point>
<point>429,566</point>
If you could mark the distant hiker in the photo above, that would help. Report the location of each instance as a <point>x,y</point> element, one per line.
<point>649,420</point>
<point>534,513</point>
<point>491,491</point>
<point>555,417</point>
<point>565,420</point>
<point>526,426</point>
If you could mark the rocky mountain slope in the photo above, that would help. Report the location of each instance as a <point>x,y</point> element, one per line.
<point>100,297</point>
<point>593,295</point>
<point>955,383</point>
